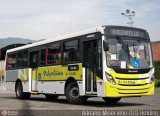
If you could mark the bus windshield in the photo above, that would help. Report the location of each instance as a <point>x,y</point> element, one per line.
<point>128,53</point>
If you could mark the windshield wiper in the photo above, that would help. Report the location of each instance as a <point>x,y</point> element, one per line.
<point>124,46</point>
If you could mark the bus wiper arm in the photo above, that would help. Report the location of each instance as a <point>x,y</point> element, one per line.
<point>124,46</point>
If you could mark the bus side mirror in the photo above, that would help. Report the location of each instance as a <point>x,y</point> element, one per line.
<point>105,46</point>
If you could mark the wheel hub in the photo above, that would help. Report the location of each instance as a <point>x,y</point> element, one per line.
<point>74,92</point>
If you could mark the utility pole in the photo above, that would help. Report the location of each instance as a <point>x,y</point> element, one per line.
<point>129,14</point>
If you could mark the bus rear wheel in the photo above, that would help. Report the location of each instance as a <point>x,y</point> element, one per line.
<point>51,97</point>
<point>19,92</point>
<point>109,100</point>
<point>72,94</point>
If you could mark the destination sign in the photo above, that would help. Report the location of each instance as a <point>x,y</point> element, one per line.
<point>126,32</point>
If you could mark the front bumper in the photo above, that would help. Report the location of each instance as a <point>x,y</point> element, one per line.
<point>128,91</point>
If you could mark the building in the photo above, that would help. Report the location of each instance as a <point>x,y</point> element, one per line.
<point>156,50</point>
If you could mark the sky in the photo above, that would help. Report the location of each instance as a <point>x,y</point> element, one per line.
<point>46,19</point>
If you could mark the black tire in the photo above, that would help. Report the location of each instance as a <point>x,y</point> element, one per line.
<point>51,97</point>
<point>19,92</point>
<point>72,94</point>
<point>111,100</point>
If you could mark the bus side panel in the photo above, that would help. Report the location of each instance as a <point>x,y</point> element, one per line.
<point>52,79</point>
<point>51,87</point>
<point>81,88</point>
<point>100,87</point>
<point>25,86</point>
<point>13,75</point>
<point>55,87</point>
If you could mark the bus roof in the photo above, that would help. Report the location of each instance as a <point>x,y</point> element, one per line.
<point>93,30</point>
<point>89,31</point>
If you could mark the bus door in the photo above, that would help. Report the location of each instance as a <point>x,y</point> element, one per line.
<point>34,66</point>
<point>89,58</point>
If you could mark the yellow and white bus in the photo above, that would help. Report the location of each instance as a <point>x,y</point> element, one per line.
<point>111,62</point>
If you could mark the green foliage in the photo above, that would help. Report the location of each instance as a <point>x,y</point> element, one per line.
<point>157,70</point>
<point>157,83</point>
<point>157,73</point>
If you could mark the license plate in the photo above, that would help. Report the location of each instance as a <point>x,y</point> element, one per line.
<point>127,82</point>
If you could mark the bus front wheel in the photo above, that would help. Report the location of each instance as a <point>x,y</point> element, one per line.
<point>111,100</point>
<point>19,92</point>
<point>72,94</point>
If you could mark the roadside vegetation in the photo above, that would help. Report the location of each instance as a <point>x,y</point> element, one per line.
<point>157,74</point>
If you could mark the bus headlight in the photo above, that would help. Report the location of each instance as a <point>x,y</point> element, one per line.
<point>151,79</point>
<point>110,78</point>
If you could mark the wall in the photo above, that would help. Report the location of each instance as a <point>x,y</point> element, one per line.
<point>1,68</point>
<point>156,50</point>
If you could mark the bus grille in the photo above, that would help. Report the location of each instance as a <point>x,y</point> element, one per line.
<point>125,85</point>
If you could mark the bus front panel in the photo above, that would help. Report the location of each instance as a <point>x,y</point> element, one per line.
<point>127,62</point>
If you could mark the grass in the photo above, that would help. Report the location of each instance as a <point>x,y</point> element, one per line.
<point>157,88</point>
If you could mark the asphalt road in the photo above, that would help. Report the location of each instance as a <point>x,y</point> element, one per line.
<point>38,105</point>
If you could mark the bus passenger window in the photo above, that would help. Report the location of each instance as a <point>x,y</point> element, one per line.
<point>71,51</point>
<point>34,59</point>
<point>43,57</point>
<point>54,54</point>
<point>11,61</point>
<point>22,60</point>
